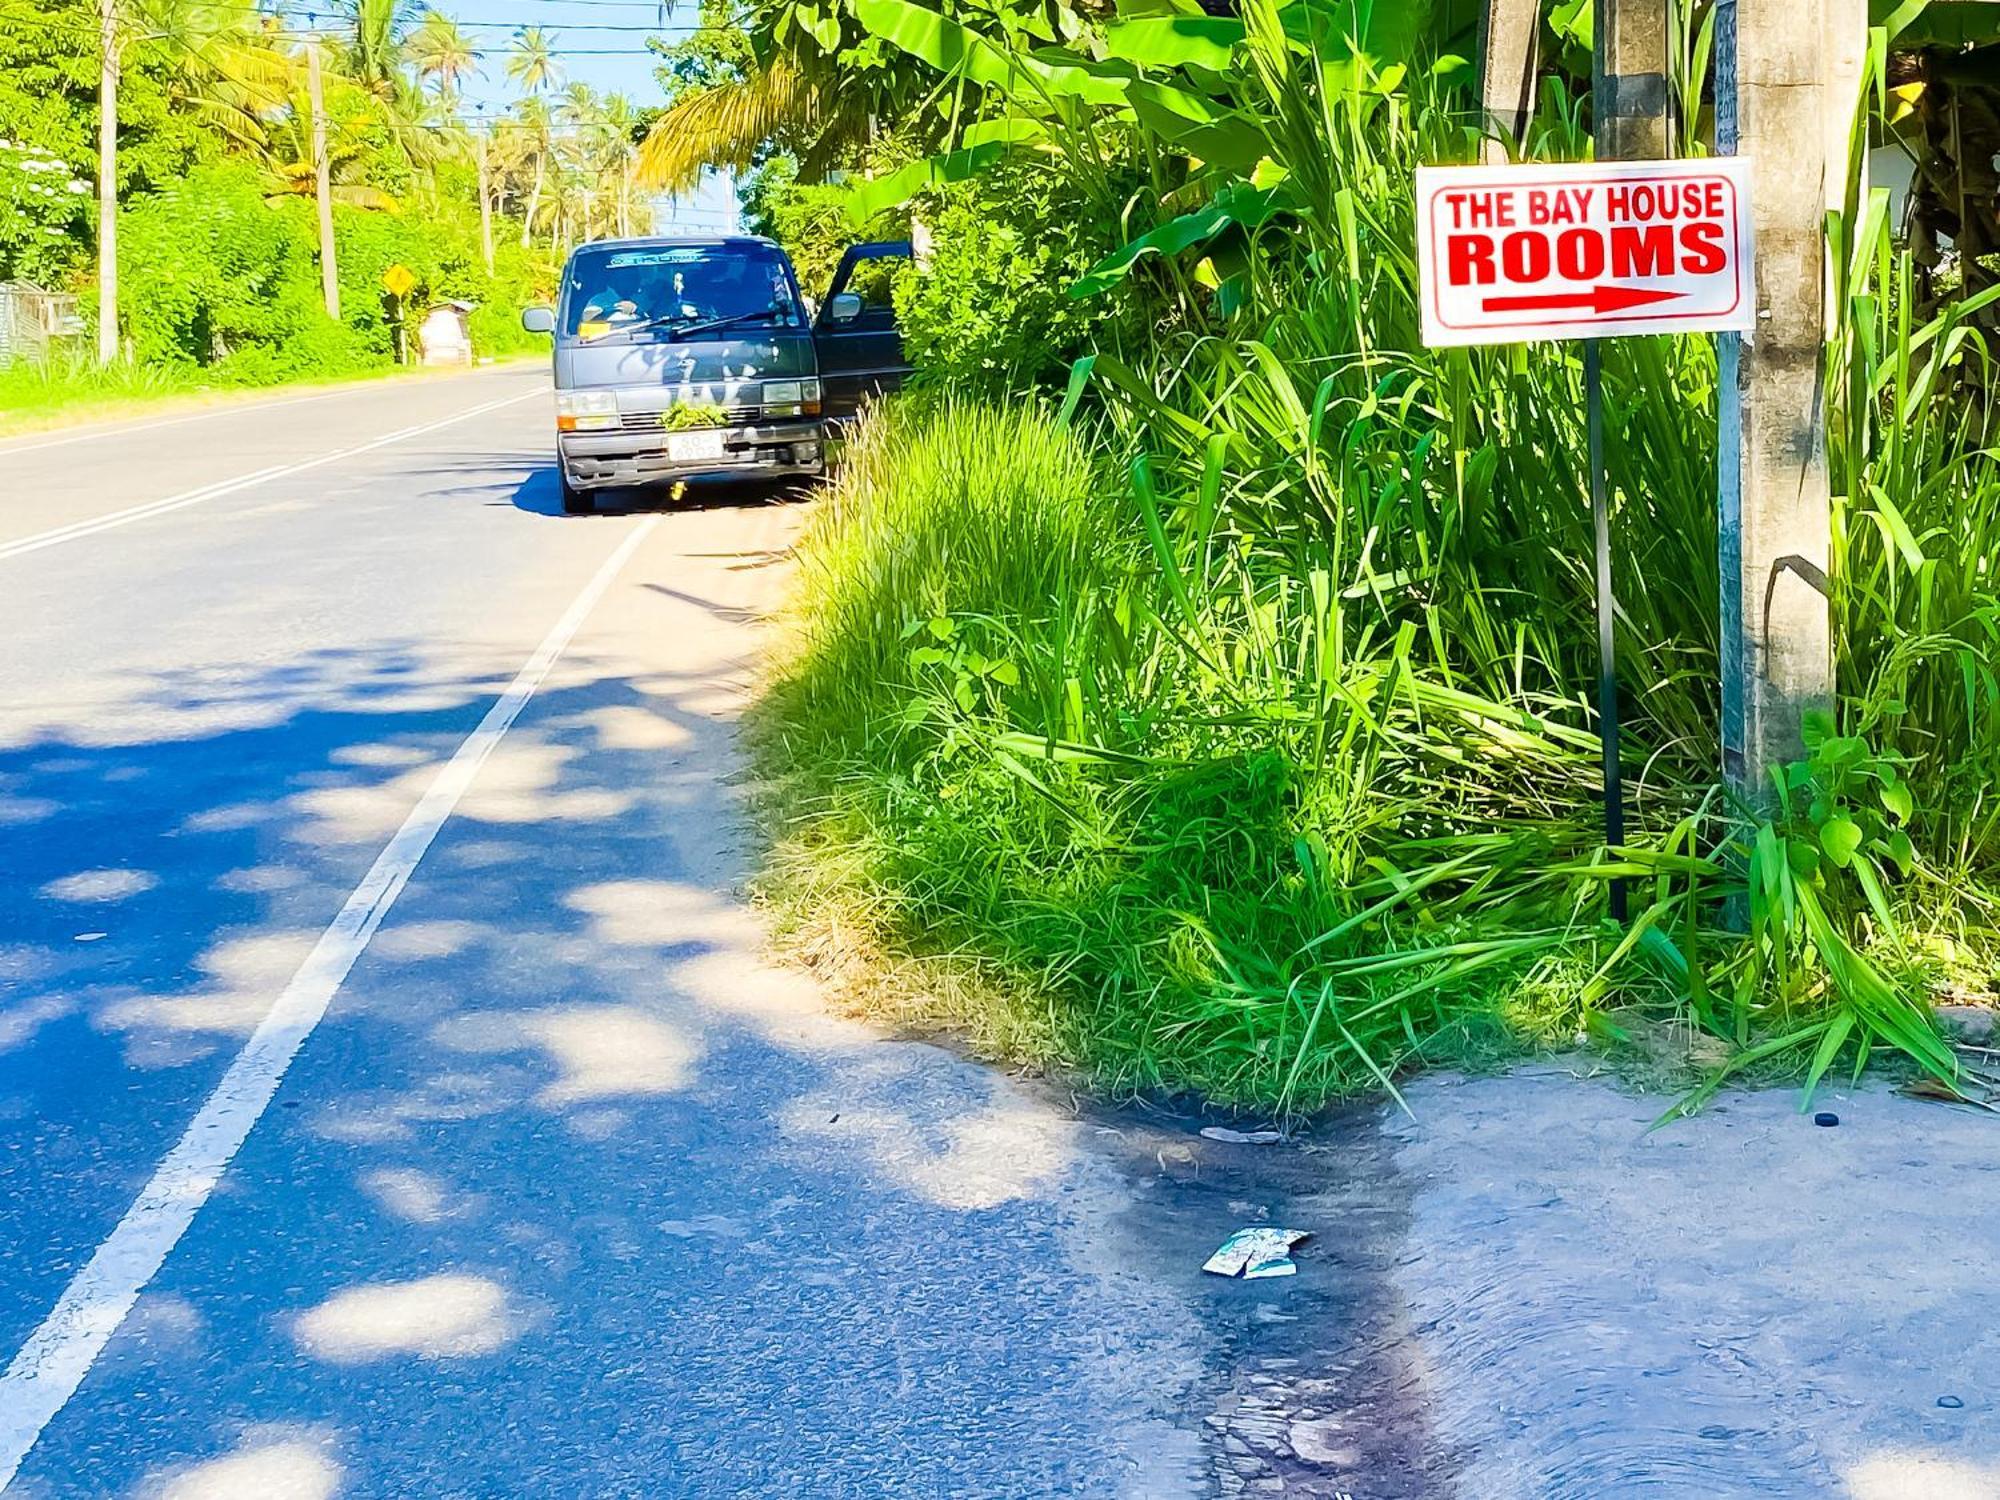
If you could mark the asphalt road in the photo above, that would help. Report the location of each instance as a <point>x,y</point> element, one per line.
<point>394,1100</point>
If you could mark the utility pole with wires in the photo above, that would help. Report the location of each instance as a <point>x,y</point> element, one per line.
<point>107,184</point>
<point>329,274</point>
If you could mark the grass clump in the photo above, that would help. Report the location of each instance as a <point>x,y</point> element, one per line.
<point>995,747</point>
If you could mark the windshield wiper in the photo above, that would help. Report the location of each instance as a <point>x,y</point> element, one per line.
<point>642,326</point>
<point>682,330</point>
<point>714,323</point>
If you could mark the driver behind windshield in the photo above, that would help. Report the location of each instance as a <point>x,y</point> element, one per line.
<point>685,291</point>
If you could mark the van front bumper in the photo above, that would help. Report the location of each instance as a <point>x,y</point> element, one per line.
<point>597,460</point>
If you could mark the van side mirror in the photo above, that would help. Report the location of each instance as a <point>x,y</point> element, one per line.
<point>844,307</point>
<point>538,320</point>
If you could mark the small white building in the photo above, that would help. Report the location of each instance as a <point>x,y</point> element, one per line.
<point>445,335</point>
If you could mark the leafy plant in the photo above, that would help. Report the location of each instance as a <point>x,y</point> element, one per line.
<point>693,416</point>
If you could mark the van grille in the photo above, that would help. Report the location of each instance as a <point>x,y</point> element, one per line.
<point>649,421</point>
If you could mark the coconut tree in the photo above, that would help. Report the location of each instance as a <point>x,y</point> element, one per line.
<point>620,120</point>
<point>353,113</point>
<point>442,54</point>
<point>777,73</point>
<point>533,129</point>
<point>376,41</point>
<point>533,66</point>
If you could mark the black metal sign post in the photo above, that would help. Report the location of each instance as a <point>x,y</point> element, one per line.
<point>1607,653</point>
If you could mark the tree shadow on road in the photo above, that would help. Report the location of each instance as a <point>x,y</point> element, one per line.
<point>570,1193</point>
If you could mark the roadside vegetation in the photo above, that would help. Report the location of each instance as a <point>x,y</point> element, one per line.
<point>1211,663</point>
<point>219,282</point>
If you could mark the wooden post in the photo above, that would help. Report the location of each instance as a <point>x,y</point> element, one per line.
<point>1510,34</point>
<point>1776,524</point>
<point>485,202</point>
<point>107,183</point>
<point>329,275</point>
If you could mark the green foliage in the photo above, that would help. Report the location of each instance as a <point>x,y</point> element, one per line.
<point>809,219</point>
<point>716,50</point>
<point>48,104</point>
<point>212,275</point>
<point>43,208</point>
<point>219,277</point>
<point>990,312</point>
<point>1293,787</point>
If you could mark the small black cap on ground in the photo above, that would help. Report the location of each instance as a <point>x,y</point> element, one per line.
<point>1826,1117</point>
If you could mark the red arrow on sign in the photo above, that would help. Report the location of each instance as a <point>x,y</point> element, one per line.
<point>1599,299</point>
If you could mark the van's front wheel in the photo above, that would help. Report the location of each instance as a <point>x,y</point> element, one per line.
<point>575,502</point>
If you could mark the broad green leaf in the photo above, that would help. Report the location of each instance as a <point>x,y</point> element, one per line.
<point>962,52</point>
<point>1901,850</point>
<point>1574,21</point>
<point>980,147</point>
<point>1898,802</point>
<point>1840,836</point>
<point>1175,41</point>
<point>1238,206</point>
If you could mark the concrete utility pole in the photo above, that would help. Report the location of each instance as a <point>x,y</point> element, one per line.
<point>1771,65</point>
<point>107,184</point>
<point>485,202</point>
<point>329,273</point>
<point>1628,83</point>
<point>1510,36</point>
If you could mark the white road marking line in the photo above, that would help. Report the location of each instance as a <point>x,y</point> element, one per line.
<point>57,1356</point>
<point>77,530</point>
<point>100,432</point>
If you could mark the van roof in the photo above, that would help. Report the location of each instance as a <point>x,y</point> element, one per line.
<point>659,241</point>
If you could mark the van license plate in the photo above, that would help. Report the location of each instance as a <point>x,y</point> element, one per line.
<point>693,447</point>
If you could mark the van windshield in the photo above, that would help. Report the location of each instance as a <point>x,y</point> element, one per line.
<point>653,291</point>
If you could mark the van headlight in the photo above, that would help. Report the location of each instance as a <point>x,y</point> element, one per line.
<point>791,398</point>
<point>586,411</point>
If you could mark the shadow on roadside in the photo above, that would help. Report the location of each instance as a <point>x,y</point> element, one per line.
<point>540,495</point>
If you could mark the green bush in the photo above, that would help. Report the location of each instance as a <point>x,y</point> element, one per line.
<point>214,276</point>
<point>990,310</point>
<point>808,219</point>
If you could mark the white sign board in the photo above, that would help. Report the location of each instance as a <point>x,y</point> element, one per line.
<point>1584,251</point>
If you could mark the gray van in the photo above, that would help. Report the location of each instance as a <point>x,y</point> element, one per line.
<point>696,358</point>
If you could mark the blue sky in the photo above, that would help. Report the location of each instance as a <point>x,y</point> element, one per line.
<point>586,34</point>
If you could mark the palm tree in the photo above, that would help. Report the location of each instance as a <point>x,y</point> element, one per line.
<point>376,33</point>
<point>619,118</point>
<point>533,125</point>
<point>288,151</point>
<point>727,124</point>
<point>442,54</point>
<point>532,64</point>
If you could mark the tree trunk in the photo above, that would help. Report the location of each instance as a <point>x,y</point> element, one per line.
<point>534,200</point>
<point>329,272</point>
<point>107,186</point>
<point>485,207</point>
